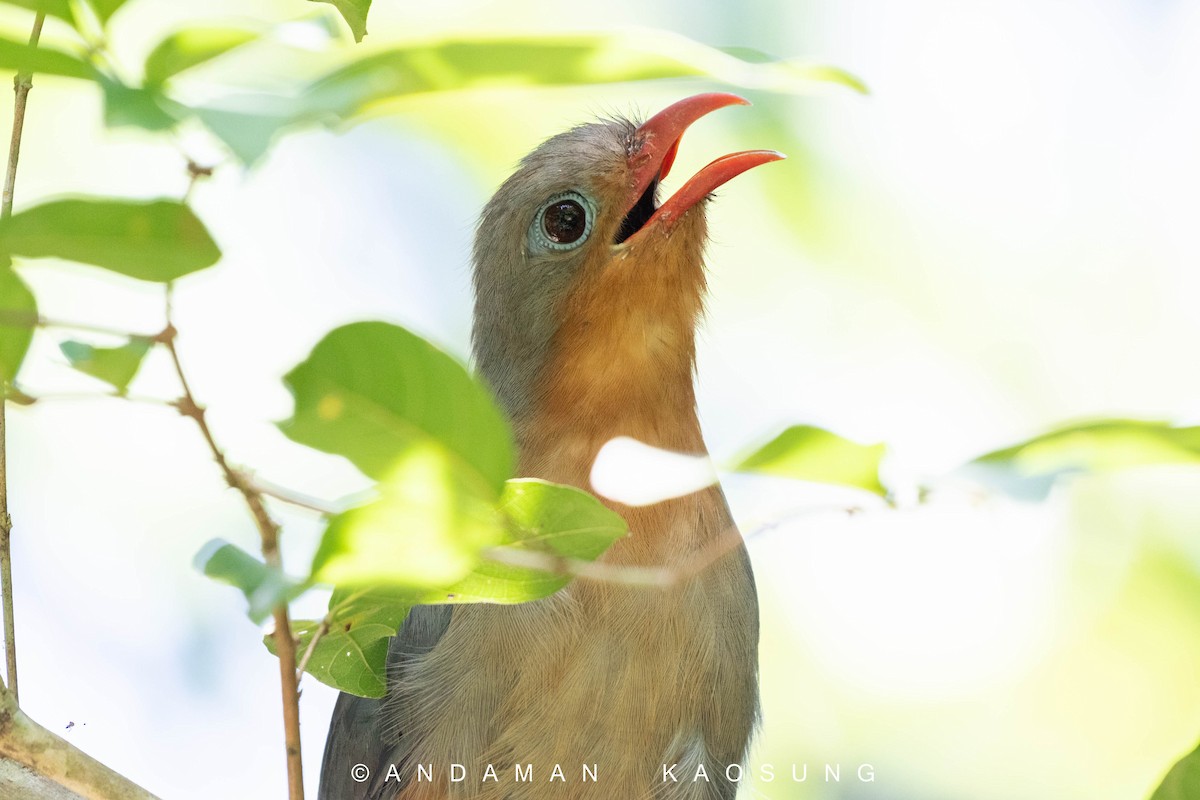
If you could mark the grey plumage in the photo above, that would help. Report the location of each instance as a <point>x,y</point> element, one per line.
<point>357,725</point>
<point>517,300</point>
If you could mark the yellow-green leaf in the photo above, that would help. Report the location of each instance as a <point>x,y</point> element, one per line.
<point>190,48</point>
<point>106,8</point>
<point>157,240</point>
<point>1029,469</point>
<point>352,654</point>
<point>427,528</point>
<point>814,454</point>
<point>116,366</point>
<point>1183,781</point>
<point>20,57</point>
<point>355,14</point>
<point>541,517</point>
<point>370,391</point>
<point>55,8</point>
<point>18,316</point>
<point>139,107</point>
<point>247,124</point>
<point>551,60</point>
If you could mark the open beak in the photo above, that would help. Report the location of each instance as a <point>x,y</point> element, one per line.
<point>652,152</point>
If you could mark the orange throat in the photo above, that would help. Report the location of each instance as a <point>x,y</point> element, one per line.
<point>620,364</point>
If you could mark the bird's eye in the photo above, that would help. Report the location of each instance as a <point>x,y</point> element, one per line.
<point>564,221</point>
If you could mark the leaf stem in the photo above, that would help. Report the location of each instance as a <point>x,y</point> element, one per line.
<point>23,397</point>
<point>323,629</point>
<point>88,327</point>
<point>23,319</point>
<point>293,497</point>
<point>654,577</point>
<point>318,634</point>
<point>22,83</point>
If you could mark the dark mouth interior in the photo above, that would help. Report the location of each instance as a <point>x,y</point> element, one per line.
<point>640,214</point>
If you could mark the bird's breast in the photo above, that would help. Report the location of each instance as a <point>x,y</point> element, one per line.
<point>621,679</point>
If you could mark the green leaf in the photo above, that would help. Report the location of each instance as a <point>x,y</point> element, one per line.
<point>815,454</point>
<point>18,316</point>
<point>247,125</point>
<point>1183,781</point>
<point>370,391</point>
<point>1029,469</point>
<point>538,516</point>
<point>352,655</point>
<point>158,240</point>
<point>113,365</point>
<point>355,14</point>
<point>55,8</point>
<point>106,8</point>
<point>130,106</point>
<point>190,48</point>
<point>551,60</point>
<point>549,518</point>
<point>20,57</point>
<point>265,587</point>
<point>427,528</point>
<point>558,520</point>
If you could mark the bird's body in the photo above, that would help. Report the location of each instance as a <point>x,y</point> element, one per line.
<point>605,689</point>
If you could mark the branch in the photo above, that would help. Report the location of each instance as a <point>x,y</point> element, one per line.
<point>293,497</point>
<point>23,319</point>
<point>52,758</point>
<point>268,529</point>
<point>654,577</point>
<point>24,397</point>
<point>21,86</point>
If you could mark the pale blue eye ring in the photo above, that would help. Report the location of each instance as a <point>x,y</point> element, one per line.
<point>564,222</point>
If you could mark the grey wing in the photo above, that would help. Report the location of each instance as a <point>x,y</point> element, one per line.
<point>358,738</point>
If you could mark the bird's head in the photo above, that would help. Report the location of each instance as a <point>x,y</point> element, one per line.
<point>580,269</point>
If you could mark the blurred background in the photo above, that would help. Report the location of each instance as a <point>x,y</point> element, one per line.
<point>999,238</point>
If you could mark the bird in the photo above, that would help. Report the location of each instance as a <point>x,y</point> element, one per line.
<point>588,291</point>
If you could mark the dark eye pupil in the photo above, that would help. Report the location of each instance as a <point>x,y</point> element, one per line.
<point>564,221</point>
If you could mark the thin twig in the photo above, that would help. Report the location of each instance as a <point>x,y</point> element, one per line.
<point>23,397</point>
<point>195,173</point>
<point>268,529</point>
<point>10,622</point>
<point>654,577</point>
<point>292,497</point>
<point>320,632</point>
<point>21,86</point>
<point>13,318</point>
<point>323,629</point>
<point>88,327</point>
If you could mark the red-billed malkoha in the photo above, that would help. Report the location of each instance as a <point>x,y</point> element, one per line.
<point>587,295</point>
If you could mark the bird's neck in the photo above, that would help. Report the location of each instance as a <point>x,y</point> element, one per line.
<point>612,396</point>
<point>636,383</point>
<point>620,364</point>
